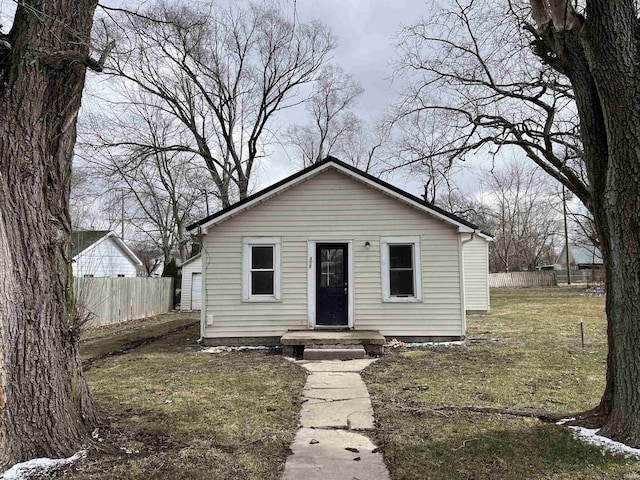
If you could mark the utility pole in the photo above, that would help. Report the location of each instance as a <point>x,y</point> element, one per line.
<point>566,236</point>
<point>122,214</point>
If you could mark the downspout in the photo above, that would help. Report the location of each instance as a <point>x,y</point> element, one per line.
<point>203,307</point>
<point>462,281</point>
<point>473,235</point>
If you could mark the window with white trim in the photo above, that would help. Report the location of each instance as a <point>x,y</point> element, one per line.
<point>400,269</point>
<point>261,276</point>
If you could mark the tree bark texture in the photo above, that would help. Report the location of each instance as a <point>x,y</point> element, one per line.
<point>601,59</point>
<point>44,400</point>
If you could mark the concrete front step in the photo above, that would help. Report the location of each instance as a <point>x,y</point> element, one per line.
<point>339,346</point>
<point>351,353</point>
<point>294,341</point>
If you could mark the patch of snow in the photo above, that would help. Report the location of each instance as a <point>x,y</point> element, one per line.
<point>128,451</point>
<point>562,421</point>
<point>96,435</point>
<point>223,348</point>
<point>590,436</point>
<point>24,470</point>
<point>393,343</point>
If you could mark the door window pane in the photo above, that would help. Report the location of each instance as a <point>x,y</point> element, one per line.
<point>262,282</point>
<point>331,267</point>
<point>262,258</point>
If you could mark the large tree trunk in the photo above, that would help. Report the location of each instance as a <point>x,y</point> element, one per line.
<point>601,59</point>
<point>44,399</point>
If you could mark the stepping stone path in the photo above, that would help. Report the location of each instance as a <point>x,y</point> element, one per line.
<point>336,412</point>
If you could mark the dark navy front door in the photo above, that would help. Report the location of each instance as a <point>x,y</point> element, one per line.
<point>331,284</point>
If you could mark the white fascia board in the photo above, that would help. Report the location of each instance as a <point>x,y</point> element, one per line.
<point>123,246</point>
<point>93,245</point>
<point>192,259</point>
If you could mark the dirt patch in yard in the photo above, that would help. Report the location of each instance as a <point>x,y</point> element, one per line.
<point>98,344</point>
<point>170,411</point>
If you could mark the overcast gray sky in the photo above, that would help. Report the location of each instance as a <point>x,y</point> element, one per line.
<point>365,32</point>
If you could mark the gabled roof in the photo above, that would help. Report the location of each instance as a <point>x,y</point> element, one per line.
<point>582,255</point>
<point>192,259</point>
<point>349,170</point>
<point>84,240</point>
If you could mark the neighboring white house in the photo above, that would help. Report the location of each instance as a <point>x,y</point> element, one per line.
<point>476,273</point>
<point>191,291</point>
<point>334,247</point>
<point>102,254</point>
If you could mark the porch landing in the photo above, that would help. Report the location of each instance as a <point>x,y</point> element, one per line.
<point>296,343</point>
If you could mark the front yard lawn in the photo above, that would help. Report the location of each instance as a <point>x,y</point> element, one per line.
<point>173,413</point>
<point>537,362</point>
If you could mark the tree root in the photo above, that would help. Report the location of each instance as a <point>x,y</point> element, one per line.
<point>542,415</point>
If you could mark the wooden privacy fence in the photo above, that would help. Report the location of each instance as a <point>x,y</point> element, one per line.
<point>587,276</point>
<point>114,300</point>
<point>523,279</point>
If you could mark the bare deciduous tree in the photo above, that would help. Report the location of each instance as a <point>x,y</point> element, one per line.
<point>332,118</point>
<point>222,73</point>
<point>165,189</point>
<point>44,401</point>
<point>564,89</point>
<point>524,209</point>
<point>474,85</point>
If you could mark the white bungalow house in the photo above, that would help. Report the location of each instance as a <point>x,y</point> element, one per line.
<point>332,247</point>
<point>191,290</point>
<point>101,253</point>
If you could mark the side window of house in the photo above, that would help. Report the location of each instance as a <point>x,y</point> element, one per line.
<point>400,269</point>
<point>262,274</point>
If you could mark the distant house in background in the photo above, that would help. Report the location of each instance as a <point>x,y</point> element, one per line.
<point>191,295</point>
<point>581,257</point>
<point>101,253</point>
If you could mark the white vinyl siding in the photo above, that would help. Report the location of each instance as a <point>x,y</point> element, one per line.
<point>476,275</point>
<point>188,270</point>
<point>103,259</point>
<point>331,206</point>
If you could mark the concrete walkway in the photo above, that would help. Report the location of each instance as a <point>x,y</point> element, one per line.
<point>336,411</point>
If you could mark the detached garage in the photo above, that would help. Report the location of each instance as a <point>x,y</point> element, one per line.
<point>191,296</point>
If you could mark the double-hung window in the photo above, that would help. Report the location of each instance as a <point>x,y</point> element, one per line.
<point>401,272</point>
<point>261,269</point>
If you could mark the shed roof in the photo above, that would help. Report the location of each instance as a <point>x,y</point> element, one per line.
<point>349,170</point>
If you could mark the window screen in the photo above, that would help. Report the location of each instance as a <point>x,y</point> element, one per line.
<point>401,282</point>
<point>262,271</point>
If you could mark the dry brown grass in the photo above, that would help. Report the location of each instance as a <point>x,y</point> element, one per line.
<point>537,362</point>
<point>170,412</point>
